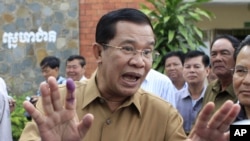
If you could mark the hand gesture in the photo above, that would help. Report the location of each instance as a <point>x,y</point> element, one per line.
<point>12,104</point>
<point>216,127</point>
<point>59,122</point>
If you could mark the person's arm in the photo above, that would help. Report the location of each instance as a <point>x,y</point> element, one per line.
<point>2,104</point>
<point>215,127</point>
<point>4,91</point>
<point>59,122</point>
<point>12,103</point>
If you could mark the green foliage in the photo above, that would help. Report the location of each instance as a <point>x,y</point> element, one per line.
<point>174,26</point>
<point>18,120</point>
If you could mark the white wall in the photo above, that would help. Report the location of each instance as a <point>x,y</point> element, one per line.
<point>226,16</point>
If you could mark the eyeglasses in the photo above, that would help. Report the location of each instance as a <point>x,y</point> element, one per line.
<point>147,53</point>
<point>240,71</point>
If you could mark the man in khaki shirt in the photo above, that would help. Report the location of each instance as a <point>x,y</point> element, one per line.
<point>136,119</point>
<point>222,61</point>
<point>122,111</point>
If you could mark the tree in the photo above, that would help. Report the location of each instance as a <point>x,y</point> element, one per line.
<point>174,26</point>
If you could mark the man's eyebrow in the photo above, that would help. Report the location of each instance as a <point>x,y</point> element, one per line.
<point>131,41</point>
<point>240,66</point>
<point>223,50</point>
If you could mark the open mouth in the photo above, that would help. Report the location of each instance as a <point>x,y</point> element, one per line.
<point>132,77</point>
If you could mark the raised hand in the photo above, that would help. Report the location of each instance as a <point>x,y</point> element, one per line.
<point>12,104</point>
<point>58,122</point>
<point>216,127</point>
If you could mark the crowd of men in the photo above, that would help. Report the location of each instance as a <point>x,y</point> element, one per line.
<point>125,99</point>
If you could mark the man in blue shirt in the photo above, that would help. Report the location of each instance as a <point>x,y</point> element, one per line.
<point>189,101</point>
<point>49,67</point>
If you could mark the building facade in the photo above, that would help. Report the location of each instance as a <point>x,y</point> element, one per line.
<point>31,30</point>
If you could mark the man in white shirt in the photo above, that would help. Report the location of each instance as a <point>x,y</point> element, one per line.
<point>174,61</point>
<point>4,90</point>
<point>5,121</point>
<point>75,67</point>
<point>159,84</point>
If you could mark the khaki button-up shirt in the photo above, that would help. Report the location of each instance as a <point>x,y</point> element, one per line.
<point>143,117</point>
<point>213,93</point>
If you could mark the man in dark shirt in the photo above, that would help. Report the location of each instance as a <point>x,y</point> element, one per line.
<point>222,61</point>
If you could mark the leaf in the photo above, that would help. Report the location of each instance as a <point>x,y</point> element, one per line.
<point>198,32</point>
<point>191,45</point>
<point>165,19</point>
<point>195,16</point>
<point>174,23</point>
<point>170,35</point>
<point>181,19</point>
<point>183,32</point>
<point>203,1</point>
<point>184,7</point>
<point>146,11</point>
<point>184,47</point>
<point>204,13</point>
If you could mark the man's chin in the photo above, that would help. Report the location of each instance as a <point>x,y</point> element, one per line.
<point>129,91</point>
<point>224,75</point>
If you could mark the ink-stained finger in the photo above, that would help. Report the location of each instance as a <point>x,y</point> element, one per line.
<point>70,98</point>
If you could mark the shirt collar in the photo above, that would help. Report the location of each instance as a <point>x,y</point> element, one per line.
<point>242,114</point>
<point>187,93</point>
<point>217,87</point>
<point>91,93</point>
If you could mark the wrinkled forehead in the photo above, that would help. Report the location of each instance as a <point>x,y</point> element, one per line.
<point>134,33</point>
<point>222,44</point>
<point>244,54</point>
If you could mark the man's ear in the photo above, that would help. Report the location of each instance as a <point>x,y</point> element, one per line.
<point>97,50</point>
<point>208,70</point>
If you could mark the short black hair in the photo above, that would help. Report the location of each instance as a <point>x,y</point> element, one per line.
<point>196,53</point>
<point>106,27</point>
<point>179,54</point>
<point>234,41</point>
<point>77,57</point>
<point>50,61</point>
<point>244,42</point>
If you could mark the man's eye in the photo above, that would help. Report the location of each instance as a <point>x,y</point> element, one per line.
<point>147,51</point>
<point>197,66</point>
<point>225,53</point>
<point>213,54</point>
<point>128,49</point>
<point>175,64</point>
<point>240,70</point>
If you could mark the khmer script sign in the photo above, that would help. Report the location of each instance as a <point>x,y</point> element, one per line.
<point>28,37</point>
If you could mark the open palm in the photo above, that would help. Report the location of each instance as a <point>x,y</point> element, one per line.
<point>58,122</point>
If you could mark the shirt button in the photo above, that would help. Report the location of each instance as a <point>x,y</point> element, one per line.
<point>108,121</point>
<point>101,100</point>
